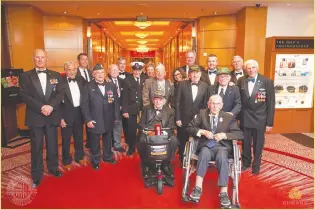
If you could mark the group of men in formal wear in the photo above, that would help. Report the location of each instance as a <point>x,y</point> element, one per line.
<point>211,104</point>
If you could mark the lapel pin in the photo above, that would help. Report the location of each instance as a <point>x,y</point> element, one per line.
<point>221,120</point>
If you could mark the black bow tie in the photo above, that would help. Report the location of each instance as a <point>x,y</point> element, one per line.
<point>102,84</point>
<point>192,84</point>
<point>157,110</point>
<point>121,73</point>
<point>212,72</point>
<point>240,73</point>
<point>251,79</point>
<point>44,71</point>
<point>73,80</point>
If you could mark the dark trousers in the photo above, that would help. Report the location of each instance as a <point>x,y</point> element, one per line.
<point>87,144</point>
<point>183,137</point>
<point>131,132</point>
<point>37,138</point>
<point>258,136</point>
<point>76,129</point>
<point>125,128</point>
<point>142,143</point>
<point>220,155</point>
<point>95,151</point>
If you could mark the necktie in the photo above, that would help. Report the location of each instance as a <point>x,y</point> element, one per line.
<point>240,73</point>
<point>138,81</point>
<point>222,93</point>
<point>118,90</point>
<point>212,142</point>
<point>43,71</point>
<point>251,80</point>
<point>71,80</point>
<point>214,124</point>
<point>86,76</point>
<point>212,72</point>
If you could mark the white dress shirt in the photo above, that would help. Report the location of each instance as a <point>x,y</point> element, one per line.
<point>83,74</point>
<point>239,75</point>
<point>219,90</point>
<point>194,90</point>
<point>115,81</point>
<point>251,86</point>
<point>212,76</point>
<point>75,93</point>
<point>43,79</point>
<point>102,88</point>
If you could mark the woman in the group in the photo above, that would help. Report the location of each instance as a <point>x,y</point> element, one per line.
<point>150,71</point>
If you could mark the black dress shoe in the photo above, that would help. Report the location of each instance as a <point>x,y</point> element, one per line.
<point>56,173</point>
<point>35,183</point>
<point>111,161</point>
<point>96,166</point>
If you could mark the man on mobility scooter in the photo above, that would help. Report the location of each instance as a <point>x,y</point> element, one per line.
<point>155,116</point>
<point>215,130</point>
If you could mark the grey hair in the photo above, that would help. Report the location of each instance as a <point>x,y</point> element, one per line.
<point>190,51</point>
<point>251,61</point>
<point>215,97</point>
<point>237,56</point>
<point>69,63</point>
<point>160,67</point>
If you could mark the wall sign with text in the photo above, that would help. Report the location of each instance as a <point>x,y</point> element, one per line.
<point>294,80</point>
<point>294,44</point>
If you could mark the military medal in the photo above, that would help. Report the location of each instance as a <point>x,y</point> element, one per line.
<point>110,96</point>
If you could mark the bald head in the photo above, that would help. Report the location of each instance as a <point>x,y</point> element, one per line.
<point>113,70</point>
<point>40,59</point>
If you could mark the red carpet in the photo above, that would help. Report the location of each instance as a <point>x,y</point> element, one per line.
<point>120,186</point>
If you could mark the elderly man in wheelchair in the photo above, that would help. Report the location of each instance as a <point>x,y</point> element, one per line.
<point>213,132</point>
<point>160,117</point>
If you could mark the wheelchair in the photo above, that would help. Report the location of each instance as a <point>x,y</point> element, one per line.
<point>158,150</point>
<point>189,166</point>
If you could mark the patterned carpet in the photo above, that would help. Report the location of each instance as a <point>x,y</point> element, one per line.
<point>287,166</point>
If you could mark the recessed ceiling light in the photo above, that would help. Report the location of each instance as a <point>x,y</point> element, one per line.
<point>98,13</point>
<point>215,13</point>
<point>288,4</point>
<point>64,12</point>
<point>141,13</point>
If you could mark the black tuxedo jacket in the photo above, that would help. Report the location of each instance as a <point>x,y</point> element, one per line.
<point>231,100</point>
<point>254,113</point>
<point>205,78</point>
<point>89,72</point>
<point>32,95</point>
<point>226,124</point>
<point>97,107</point>
<point>165,117</point>
<point>132,97</point>
<point>186,108</point>
<point>66,107</point>
<point>233,76</point>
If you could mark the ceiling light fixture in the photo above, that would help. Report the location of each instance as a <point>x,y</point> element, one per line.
<point>142,24</point>
<point>142,41</point>
<point>215,13</point>
<point>288,4</point>
<point>64,12</point>
<point>141,35</point>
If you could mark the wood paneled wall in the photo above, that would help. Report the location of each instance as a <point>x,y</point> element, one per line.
<point>23,40</point>
<point>63,40</point>
<point>217,35</point>
<point>251,34</point>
